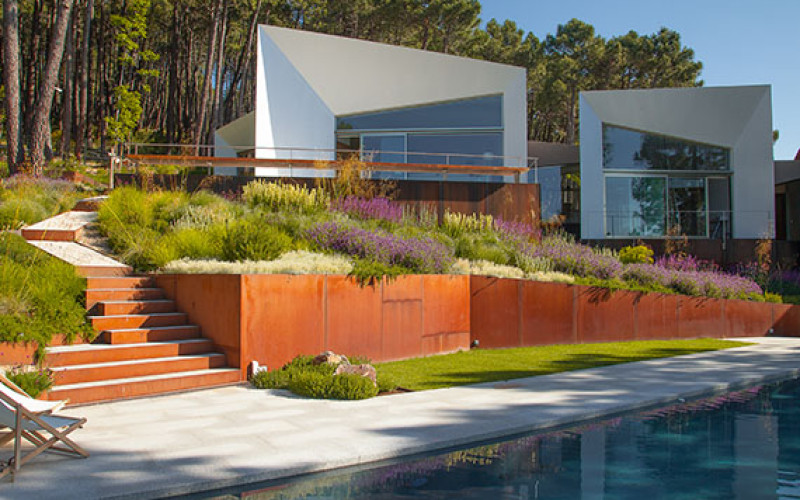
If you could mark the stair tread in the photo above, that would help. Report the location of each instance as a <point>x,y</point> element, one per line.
<point>147,378</point>
<point>101,347</point>
<point>135,315</point>
<point>157,328</point>
<point>137,301</point>
<point>134,362</point>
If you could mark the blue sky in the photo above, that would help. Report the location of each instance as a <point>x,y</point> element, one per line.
<point>739,42</point>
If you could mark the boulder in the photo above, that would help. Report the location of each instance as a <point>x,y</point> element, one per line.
<point>363,370</point>
<point>330,358</point>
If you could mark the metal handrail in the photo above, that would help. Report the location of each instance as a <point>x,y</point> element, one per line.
<point>135,146</point>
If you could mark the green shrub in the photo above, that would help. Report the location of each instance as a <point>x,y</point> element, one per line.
<point>249,239</point>
<point>274,196</point>
<point>456,224</point>
<point>351,387</point>
<point>25,200</point>
<point>40,296</point>
<point>484,246</point>
<point>639,254</point>
<point>386,383</point>
<point>33,382</point>
<point>367,272</point>
<point>304,378</point>
<point>320,386</point>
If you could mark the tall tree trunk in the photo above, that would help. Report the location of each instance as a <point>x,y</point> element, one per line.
<point>173,94</point>
<point>219,77</point>
<point>212,46</point>
<point>33,62</point>
<point>81,142</point>
<point>67,90</point>
<point>244,61</point>
<point>11,82</point>
<point>44,99</point>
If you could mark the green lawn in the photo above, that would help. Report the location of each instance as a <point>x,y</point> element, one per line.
<point>476,366</point>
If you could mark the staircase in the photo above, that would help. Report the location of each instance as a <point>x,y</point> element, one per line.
<point>145,345</point>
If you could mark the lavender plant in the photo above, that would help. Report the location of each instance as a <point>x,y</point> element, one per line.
<point>577,259</point>
<point>374,208</point>
<point>420,255</point>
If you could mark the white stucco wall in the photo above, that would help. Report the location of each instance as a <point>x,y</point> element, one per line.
<point>738,118</point>
<point>291,119</point>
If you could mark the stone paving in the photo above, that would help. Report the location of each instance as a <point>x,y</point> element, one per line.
<point>154,447</point>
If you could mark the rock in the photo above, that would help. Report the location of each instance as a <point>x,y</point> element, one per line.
<point>331,358</point>
<point>363,370</point>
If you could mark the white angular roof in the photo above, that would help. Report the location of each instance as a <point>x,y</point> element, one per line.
<point>713,115</point>
<point>353,76</point>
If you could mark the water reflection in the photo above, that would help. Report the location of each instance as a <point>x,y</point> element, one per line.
<point>744,444</point>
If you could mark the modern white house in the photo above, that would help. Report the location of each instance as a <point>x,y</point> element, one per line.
<point>318,94</point>
<point>697,160</point>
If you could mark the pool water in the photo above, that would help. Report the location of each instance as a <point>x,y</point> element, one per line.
<point>739,445</point>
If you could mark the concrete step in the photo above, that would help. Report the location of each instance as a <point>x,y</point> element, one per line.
<point>115,294</point>
<point>105,353</point>
<point>97,282</point>
<point>123,307</point>
<point>63,227</point>
<point>101,323</point>
<point>155,334</point>
<point>78,374</point>
<point>94,392</point>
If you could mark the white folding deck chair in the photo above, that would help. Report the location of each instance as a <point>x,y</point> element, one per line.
<point>37,406</point>
<point>34,428</point>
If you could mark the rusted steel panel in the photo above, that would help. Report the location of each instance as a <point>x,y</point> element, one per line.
<point>353,317</point>
<point>656,316</point>
<point>700,317</point>
<point>494,311</point>
<point>446,304</point>
<point>282,317</point>
<point>401,330</point>
<point>547,314</point>
<point>605,315</point>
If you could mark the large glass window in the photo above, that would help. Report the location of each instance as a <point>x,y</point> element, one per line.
<point>456,149</point>
<point>384,148</point>
<point>625,149</point>
<point>482,112</point>
<point>687,206</point>
<point>635,206</point>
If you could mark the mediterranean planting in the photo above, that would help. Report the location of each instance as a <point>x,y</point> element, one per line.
<point>282,228</point>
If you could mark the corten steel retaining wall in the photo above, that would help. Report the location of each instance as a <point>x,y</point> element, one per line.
<point>273,318</point>
<point>518,202</point>
<point>515,313</point>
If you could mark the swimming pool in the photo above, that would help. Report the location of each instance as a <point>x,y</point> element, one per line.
<point>743,444</point>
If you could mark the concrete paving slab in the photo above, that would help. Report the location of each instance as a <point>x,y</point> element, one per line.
<point>76,254</point>
<point>153,447</point>
<point>67,221</point>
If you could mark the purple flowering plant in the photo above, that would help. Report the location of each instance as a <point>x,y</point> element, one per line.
<point>417,254</point>
<point>373,208</point>
<point>577,259</point>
